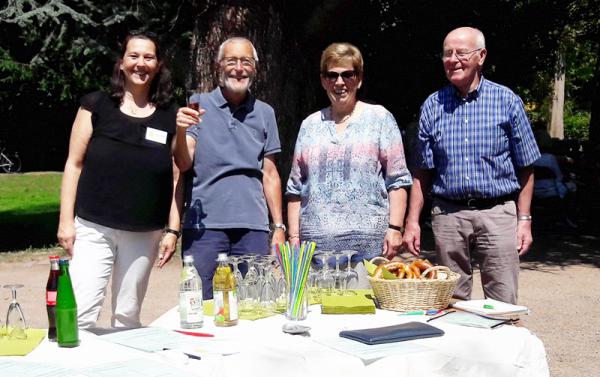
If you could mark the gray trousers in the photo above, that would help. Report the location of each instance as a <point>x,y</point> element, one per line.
<point>489,237</point>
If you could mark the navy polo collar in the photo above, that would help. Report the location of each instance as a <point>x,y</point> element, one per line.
<point>219,100</point>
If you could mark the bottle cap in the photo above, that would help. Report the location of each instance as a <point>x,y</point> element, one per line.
<point>54,257</point>
<point>222,257</point>
<point>62,262</point>
<point>188,258</point>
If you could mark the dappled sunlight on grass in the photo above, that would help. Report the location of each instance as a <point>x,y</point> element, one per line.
<point>29,208</point>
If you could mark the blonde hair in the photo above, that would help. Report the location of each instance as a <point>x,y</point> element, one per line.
<point>342,52</point>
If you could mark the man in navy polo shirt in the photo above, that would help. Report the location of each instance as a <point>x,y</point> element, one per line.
<point>476,151</point>
<point>230,155</point>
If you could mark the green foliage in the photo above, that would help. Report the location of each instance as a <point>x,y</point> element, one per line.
<point>576,122</point>
<point>46,50</point>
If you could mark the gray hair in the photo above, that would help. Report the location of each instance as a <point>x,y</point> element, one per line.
<point>238,40</point>
<point>479,38</point>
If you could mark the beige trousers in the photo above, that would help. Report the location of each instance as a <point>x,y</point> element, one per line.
<point>100,252</point>
<point>486,236</point>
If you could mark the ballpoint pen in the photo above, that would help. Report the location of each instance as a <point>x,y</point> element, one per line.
<point>422,312</point>
<point>191,356</point>
<point>192,333</point>
<point>441,315</point>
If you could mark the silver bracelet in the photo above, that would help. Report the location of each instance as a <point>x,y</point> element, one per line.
<point>524,218</point>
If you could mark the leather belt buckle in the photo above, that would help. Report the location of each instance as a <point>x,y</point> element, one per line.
<point>471,202</point>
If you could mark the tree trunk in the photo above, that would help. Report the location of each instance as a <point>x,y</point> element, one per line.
<point>284,79</point>
<point>595,116</point>
<point>557,128</point>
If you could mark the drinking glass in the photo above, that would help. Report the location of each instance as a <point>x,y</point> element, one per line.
<point>339,276</point>
<point>248,285</point>
<point>311,282</point>
<point>351,274</point>
<point>15,319</point>
<point>325,279</point>
<point>267,289</point>
<point>280,287</point>
<point>258,287</point>
<point>235,261</point>
<point>192,99</point>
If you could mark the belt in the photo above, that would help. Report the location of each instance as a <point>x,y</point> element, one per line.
<point>478,203</point>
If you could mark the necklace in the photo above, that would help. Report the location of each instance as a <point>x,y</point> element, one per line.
<point>133,109</point>
<point>345,118</point>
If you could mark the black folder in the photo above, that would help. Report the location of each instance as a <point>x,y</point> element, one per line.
<point>390,334</point>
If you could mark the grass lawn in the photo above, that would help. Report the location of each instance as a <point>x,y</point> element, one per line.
<point>29,206</point>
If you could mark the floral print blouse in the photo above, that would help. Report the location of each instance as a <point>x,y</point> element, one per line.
<point>343,180</point>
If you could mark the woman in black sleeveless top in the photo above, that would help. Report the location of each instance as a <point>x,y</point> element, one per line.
<point>118,184</point>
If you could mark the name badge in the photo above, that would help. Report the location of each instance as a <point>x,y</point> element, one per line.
<point>155,135</point>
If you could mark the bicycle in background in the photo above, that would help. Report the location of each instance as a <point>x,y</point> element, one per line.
<point>9,162</point>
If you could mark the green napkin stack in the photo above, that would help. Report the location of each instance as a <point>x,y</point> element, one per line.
<point>357,303</point>
<point>14,347</point>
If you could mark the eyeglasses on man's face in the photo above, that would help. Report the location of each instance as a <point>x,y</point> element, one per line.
<point>333,75</point>
<point>246,62</point>
<point>461,55</point>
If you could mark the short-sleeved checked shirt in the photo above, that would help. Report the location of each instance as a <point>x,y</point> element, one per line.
<point>475,143</point>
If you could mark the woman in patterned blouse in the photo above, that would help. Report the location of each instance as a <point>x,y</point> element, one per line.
<point>347,186</point>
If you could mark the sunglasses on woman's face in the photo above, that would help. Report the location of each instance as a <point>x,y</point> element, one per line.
<point>333,76</point>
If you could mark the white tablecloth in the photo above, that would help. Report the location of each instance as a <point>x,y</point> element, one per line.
<point>463,351</point>
<point>261,349</point>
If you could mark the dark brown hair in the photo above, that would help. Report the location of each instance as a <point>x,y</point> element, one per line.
<point>161,86</point>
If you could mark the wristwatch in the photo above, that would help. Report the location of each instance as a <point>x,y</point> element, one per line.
<point>396,227</point>
<point>280,226</point>
<point>173,231</point>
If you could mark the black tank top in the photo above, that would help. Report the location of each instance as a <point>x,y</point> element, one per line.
<point>127,177</point>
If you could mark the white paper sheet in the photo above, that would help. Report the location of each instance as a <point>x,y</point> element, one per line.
<point>133,368</point>
<point>490,307</point>
<point>20,368</point>
<point>369,352</point>
<point>150,339</point>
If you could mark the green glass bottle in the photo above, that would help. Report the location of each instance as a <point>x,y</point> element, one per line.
<point>66,309</point>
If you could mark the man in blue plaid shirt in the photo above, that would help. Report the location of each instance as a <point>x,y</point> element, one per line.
<point>476,150</point>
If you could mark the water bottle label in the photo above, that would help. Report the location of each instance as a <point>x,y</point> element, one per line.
<point>190,306</point>
<point>51,298</point>
<point>221,312</point>
<point>233,309</point>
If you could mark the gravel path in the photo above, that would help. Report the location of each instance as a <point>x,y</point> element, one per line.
<point>560,283</point>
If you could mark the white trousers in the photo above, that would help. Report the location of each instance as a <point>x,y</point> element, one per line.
<point>100,251</point>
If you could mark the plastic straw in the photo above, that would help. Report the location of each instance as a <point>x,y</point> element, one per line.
<point>295,261</point>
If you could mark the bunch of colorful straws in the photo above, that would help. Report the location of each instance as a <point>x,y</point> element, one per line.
<point>295,263</point>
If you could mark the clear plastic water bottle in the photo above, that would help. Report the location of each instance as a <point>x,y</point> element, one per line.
<point>191,313</point>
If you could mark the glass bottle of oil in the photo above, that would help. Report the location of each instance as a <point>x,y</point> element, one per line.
<point>224,294</point>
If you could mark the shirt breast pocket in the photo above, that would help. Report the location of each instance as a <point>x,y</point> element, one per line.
<point>258,135</point>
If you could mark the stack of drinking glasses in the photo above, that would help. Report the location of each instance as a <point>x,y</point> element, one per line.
<point>261,292</point>
<point>332,274</point>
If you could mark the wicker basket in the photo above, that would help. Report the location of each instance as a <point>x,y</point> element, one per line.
<point>415,294</point>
